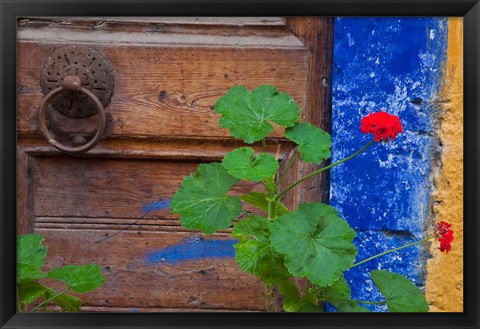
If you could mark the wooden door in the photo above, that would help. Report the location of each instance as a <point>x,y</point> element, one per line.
<point>110,205</point>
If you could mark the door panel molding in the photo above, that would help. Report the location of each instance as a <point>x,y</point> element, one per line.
<point>160,126</point>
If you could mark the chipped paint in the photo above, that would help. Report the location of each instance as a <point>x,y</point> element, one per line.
<point>156,205</point>
<point>444,285</point>
<point>393,64</point>
<point>192,249</point>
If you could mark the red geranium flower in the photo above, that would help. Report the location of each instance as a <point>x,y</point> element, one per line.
<point>382,125</point>
<point>445,236</point>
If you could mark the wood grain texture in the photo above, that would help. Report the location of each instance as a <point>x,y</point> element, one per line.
<point>96,22</point>
<point>165,149</point>
<point>220,26</point>
<point>109,309</point>
<point>25,164</point>
<point>165,91</point>
<point>109,188</point>
<point>317,35</point>
<point>131,281</point>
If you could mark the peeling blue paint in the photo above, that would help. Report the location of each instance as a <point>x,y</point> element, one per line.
<point>391,64</point>
<point>192,249</point>
<point>406,261</point>
<point>157,205</point>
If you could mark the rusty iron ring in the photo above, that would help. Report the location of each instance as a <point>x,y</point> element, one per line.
<point>72,83</point>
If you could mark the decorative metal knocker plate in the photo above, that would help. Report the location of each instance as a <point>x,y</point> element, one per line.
<point>94,71</point>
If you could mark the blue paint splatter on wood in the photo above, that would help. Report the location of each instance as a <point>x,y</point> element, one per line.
<point>392,64</point>
<point>157,205</point>
<point>193,249</point>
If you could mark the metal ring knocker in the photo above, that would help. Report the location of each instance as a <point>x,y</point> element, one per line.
<point>72,83</point>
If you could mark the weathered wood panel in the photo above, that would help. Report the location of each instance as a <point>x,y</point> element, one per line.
<point>135,21</point>
<point>161,149</point>
<point>109,188</point>
<point>134,278</point>
<point>161,125</point>
<point>25,164</point>
<point>165,91</point>
<point>317,35</point>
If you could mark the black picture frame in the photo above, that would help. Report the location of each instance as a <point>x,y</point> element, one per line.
<point>10,9</point>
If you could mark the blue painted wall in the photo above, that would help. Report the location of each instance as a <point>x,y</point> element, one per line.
<point>395,65</point>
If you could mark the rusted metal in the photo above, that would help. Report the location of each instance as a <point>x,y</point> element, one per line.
<point>95,74</point>
<point>72,85</point>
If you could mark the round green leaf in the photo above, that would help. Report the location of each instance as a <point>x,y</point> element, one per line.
<point>68,303</point>
<point>248,114</point>
<point>254,227</point>
<point>29,291</point>
<point>203,202</point>
<point>30,250</point>
<point>29,272</point>
<point>30,257</point>
<point>294,302</point>
<point>254,252</point>
<point>323,246</point>
<point>313,143</point>
<point>401,294</point>
<point>80,278</point>
<point>242,164</point>
<point>339,294</point>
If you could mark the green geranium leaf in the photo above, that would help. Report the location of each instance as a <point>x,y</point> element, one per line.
<point>30,256</point>
<point>67,302</point>
<point>349,306</point>
<point>323,246</point>
<point>80,278</point>
<point>30,250</point>
<point>255,227</point>
<point>313,143</point>
<point>401,294</point>
<point>254,253</point>
<point>29,291</point>
<point>29,272</point>
<point>248,114</point>
<point>203,202</point>
<point>339,294</point>
<point>294,302</point>
<point>259,200</point>
<point>242,164</point>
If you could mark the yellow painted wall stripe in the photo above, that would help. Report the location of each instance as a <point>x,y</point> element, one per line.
<point>444,283</point>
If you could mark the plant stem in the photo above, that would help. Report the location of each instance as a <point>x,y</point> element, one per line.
<point>287,169</point>
<point>323,169</point>
<point>264,145</point>
<point>19,306</point>
<point>50,299</point>
<point>269,298</point>
<point>358,301</point>
<point>246,213</point>
<point>371,303</point>
<point>393,250</point>
<point>272,209</point>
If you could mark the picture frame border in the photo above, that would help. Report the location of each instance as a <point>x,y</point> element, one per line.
<point>10,10</point>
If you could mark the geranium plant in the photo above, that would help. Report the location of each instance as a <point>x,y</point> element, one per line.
<point>32,290</point>
<point>311,241</point>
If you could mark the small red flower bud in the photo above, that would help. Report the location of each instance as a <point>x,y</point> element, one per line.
<point>381,125</point>
<point>444,235</point>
